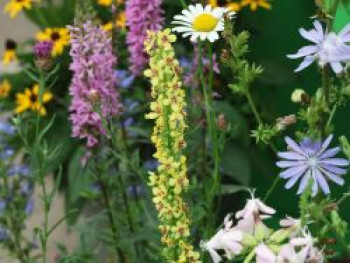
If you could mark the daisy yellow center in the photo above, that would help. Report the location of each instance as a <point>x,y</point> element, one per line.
<point>205,23</point>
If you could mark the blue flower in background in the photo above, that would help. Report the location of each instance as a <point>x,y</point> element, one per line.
<point>21,170</point>
<point>6,153</point>
<point>7,128</point>
<point>125,79</point>
<point>29,207</point>
<point>312,160</point>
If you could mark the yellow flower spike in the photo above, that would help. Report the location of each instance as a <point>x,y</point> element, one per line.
<point>29,100</point>
<point>5,88</point>
<point>13,7</point>
<point>58,36</point>
<point>170,181</point>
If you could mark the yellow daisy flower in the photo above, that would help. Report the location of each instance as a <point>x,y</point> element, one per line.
<point>5,88</point>
<point>58,36</point>
<point>232,6</point>
<point>13,7</point>
<point>254,4</point>
<point>10,52</point>
<point>29,100</point>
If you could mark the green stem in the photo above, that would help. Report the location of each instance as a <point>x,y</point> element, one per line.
<point>210,114</point>
<point>183,3</point>
<point>110,215</point>
<point>40,169</point>
<point>253,107</point>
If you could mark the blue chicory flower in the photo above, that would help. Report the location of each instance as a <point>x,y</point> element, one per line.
<point>125,79</point>
<point>327,48</point>
<point>312,160</point>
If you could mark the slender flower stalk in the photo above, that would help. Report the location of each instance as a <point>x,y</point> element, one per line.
<point>170,181</point>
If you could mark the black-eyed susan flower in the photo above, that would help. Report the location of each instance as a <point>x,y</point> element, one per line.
<point>29,100</point>
<point>58,36</point>
<point>199,22</point>
<point>10,52</point>
<point>231,5</point>
<point>5,88</point>
<point>170,180</point>
<point>254,4</point>
<point>13,7</point>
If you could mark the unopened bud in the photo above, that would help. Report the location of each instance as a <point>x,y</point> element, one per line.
<point>330,207</point>
<point>300,96</point>
<point>222,122</point>
<point>283,122</point>
<point>225,55</point>
<point>42,51</point>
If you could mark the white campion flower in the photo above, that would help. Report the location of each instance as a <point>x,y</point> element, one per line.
<point>227,239</point>
<point>254,208</point>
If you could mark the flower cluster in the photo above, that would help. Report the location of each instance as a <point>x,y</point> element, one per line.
<point>312,160</point>
<point>170,181</point>
<point>93,82</point>
<point>327,48</point>
<point>251,238</point>
<point>141,16</point>
<point>16,196</point>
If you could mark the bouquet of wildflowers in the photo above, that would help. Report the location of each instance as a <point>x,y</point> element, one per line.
<point>176,131</point>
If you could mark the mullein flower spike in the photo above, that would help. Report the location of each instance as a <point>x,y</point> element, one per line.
<point>170,180</point>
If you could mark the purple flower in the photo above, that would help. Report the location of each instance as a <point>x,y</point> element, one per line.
<point>93,86</point>
<point>312,160</point>
<point>327,48</point>
<point>43,49</point>
<point>141,16</point>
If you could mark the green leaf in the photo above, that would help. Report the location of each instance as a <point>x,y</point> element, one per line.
<point>229,189</point>
<point>235,163</point>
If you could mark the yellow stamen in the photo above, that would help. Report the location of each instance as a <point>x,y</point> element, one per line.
<point>205,23</point>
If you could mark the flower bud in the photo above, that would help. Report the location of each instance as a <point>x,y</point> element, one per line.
<point>222,122</point>
<point>300,96</point>
<point>283,122</point>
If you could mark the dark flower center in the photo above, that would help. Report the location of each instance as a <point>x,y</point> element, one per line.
<point>10,44</point>
<point>33,98</point>
<point>55,36</point>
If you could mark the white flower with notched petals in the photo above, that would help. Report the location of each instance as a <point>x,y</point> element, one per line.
<point>227,239</point>
<point>199,22</point>
<point>254,208</point>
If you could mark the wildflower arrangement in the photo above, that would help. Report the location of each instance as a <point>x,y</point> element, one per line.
<point>152,120</point>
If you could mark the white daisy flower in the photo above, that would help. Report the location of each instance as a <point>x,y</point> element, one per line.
<point>201,22</point>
